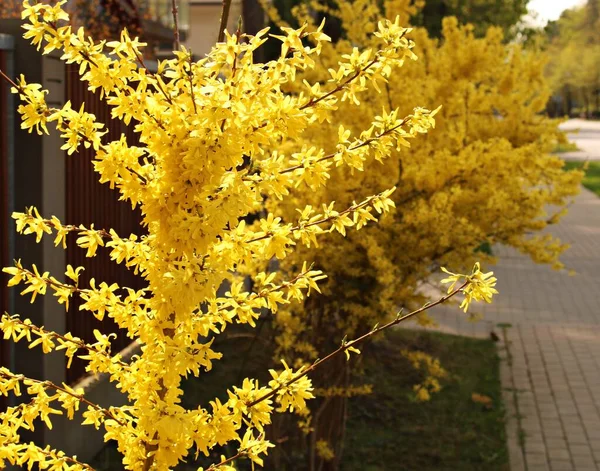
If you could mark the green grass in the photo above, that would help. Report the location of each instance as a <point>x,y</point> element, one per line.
<point>591,180</point>
<point>387,430</point>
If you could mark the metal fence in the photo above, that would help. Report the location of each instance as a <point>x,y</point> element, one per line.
<point>89,202</point>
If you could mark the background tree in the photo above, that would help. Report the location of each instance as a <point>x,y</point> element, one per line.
<point>429,14</point>
<point>573,44</point>
<point>480,13</point>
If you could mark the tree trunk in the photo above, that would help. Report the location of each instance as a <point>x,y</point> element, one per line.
<point>586,100</point>
<point>254,20</point>
<point>330,417</point>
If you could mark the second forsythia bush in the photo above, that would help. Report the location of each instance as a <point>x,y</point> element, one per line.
<point>206,159</point>
<point>484,177</point>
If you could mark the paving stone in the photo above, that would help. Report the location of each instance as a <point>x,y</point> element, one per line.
<point>577,438</point>
<point>536,447</point>
<point>535,459</point>
<point>556,443</point>
<point>553,432</point>
<point>579,450</point>
<point>583,462</point>
<point>557,453</point>
<point>561,465</point>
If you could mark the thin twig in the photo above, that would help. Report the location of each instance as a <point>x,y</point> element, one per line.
<point>239,454</point>
<point>50,111</point>
<point>69,459</point>
<point>72,288</point>
<point>70,227</point>
<point>350,149</point>
<point>340,87</point>
<point>190,75</point>
<point>224,18</point>
<point>10,81</point>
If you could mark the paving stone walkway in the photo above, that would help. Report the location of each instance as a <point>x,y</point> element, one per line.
<point>551,368</point>
<point>586,135</point>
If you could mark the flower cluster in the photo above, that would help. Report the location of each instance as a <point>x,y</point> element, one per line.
<point>480,286</point>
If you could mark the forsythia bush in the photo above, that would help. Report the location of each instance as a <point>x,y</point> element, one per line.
<point>484,177</point>
<point>208,131</point>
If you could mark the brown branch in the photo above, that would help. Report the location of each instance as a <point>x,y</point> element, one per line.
<point>74,289</point>
<point>10,81</point>
<point>345,346</point>
<point>175,12</point>
<point>49,384</point>
<point>190,75</point>
<point>69,459</point>
<point>71,228</point>
<point>158,86</point>
<point>340,87</point>
<point>224,18</point>
<point>73,340</point>
<point>239,454</point>
<point>151,448</point>
<point>85,138</point>
<point>358,146</point>
<point>351,209</point>
<point>264,292</point>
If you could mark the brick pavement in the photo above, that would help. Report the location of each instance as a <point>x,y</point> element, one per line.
<point>552,379</point>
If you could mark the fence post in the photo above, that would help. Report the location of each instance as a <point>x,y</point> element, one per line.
<point>53,204</point>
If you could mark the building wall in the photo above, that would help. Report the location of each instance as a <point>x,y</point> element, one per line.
<point>204,20</point>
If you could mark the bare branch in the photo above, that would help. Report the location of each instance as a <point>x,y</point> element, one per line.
<point>351,209</point>
<point>175,11</point>
<point>224,18</point>
<point>4,373</point>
